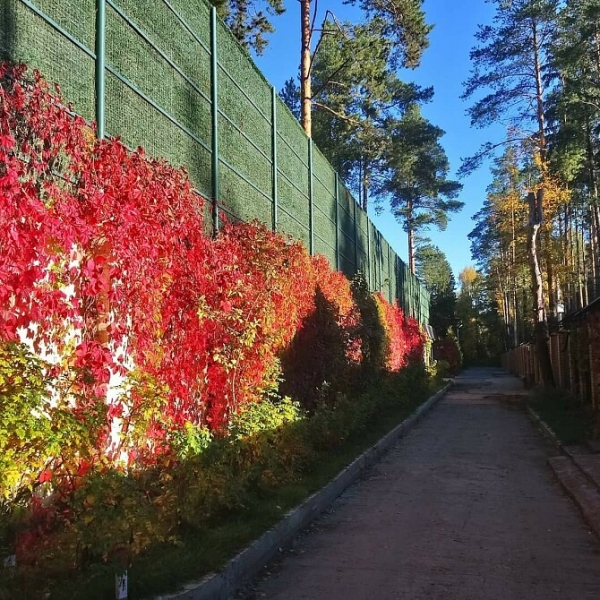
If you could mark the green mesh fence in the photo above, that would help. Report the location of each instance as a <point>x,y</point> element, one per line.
<point>325,214</point>
<point>292,176</point>
<point>178,84</point>
<point>28,35</point>
<point>347,209</point>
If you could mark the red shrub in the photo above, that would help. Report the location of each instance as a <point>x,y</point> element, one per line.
<point>103,264</point>
<point>447,349</point>
<point>403,338</point>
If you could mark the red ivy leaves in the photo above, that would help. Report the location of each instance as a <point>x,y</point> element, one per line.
<point>106,246</point>
<point>404,339</point>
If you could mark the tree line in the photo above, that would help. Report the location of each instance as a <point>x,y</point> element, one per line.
<point>536,70</point>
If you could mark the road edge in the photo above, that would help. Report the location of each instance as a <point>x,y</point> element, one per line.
<point>545,429</point>
<point>248,563</point>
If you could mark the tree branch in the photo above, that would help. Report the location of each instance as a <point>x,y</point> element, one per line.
<point>337,114</point>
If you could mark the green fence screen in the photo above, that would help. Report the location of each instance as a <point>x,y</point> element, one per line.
<point>167,75</point>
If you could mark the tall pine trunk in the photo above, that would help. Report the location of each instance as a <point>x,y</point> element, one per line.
<point>411,239</point>
<point>542,334</point>
<point>305,77</point>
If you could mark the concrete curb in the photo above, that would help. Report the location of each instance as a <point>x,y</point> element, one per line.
<point>579,488</point>
<point>248,563</point>
<point>545,429</point>
<point>574,480</point>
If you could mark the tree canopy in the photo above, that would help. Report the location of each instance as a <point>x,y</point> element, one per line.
<point>250,20</point>
<point>436,274</point>
<point>416,177</point>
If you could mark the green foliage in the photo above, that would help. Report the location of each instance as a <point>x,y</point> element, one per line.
<point>436,274</point>
<point>114,516</point>
<point>571,419</point>
<point>480,328</point>
<point>25,428</point>
<point>416,176</point>
<point>191,440</point>
<point>441,369</point>
<point>315,367</point>
<point>290,94</point>
<point>41,437</point>
<point>357,94</point>
<point>511,66</point>
<point>249,20</point>
<point>371,333</point>
<point>402,24</point>
<point>263,416</point>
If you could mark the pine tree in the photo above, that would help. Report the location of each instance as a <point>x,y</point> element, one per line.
<point>509,62</point>
<point>398,24</point>
<point>249,20</point>
<point>434,270</point>
<point>415,178</point>
<point>290,94</point>
<point>356,96</point>
<point>509,65</point>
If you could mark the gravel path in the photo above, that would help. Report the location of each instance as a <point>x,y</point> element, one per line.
<point>463,508</point>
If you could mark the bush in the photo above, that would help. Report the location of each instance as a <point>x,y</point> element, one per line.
<point>571,419</point>
<point>447,350</point>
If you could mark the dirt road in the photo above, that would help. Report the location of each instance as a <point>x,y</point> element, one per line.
<point>463,508</point>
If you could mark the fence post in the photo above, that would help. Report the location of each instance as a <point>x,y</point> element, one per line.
<point>389,277</point>
<point>355,239</point>
<point>369,252</point>
<point>337,222</point>
<point>274,154</point>
<point>380,262</point>
<point>311,216</point>
<point>397,290</point>
<point>100,66</point>
<point>215,118</point>
<point>411,300</point>
<point>376,241</point>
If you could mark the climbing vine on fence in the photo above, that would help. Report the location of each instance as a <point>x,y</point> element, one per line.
<point>124,330</point>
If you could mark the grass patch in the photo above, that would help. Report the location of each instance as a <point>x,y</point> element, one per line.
<point>569,418</point>
<point>205,549</point>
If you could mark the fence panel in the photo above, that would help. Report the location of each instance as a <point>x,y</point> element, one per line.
<point>325,214</point>
<point>292,167</point>
<point>57,38</point>
<point>362,242</point>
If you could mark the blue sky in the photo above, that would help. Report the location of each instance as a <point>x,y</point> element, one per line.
<point>445,66</point>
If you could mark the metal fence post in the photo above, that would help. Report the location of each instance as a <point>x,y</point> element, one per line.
<point>389,277</point>
<point>355,240</point>
<point>311,216</point>
<point>274,155</point>
<point>377,284</point>
<point>100,67</point>
<point>337,221</point>
<point>412,295</point>
<point>397,290</point>
<point>215,117</point>
<point>369,252</point>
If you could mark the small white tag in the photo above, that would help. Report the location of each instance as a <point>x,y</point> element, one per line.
<point>10,561</point>
<point>121,586</point>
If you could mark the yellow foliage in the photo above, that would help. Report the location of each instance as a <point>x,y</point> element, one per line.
<point>556,195</point>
